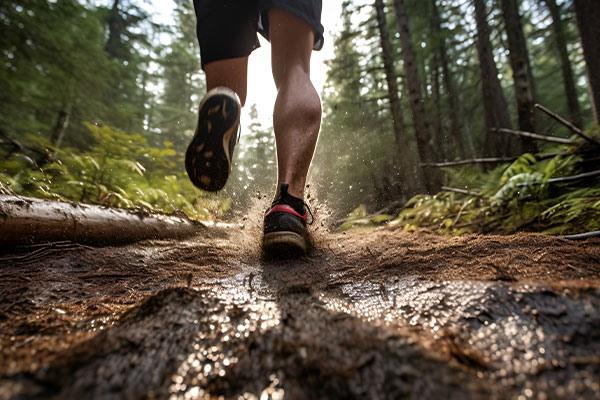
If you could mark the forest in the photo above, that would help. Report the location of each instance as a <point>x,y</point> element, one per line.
<point>428,110</point>
<point>455,190</point>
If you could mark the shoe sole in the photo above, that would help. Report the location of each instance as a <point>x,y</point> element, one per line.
<point>284,243</point>
<point>207,159</point>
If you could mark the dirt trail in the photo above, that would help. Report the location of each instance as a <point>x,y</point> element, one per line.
<point>369,314</point>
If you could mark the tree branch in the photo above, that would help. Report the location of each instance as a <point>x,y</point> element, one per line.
<point>568,124</point>
<point>582,236</point>
<point>574,177</point>
<point>564,178</point>
<point>461,191</point>
<point>469,161</point>
<point>543,156</point>
<point>534,136</point>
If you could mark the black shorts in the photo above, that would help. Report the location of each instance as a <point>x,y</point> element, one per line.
<point>227,28</point>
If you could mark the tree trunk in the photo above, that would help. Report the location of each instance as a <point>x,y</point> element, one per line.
<point>453,102</point>
<point>494,103</point>
<point>438,127</point>
<point>522,74</point>
<point>565,64</point>
<point>588,12</point>
<point>57,136</point>
<point>115,28</point>
<point>404,159</point>
<point>26,220</point>
<point>427,149</point>
<point>61,126</point>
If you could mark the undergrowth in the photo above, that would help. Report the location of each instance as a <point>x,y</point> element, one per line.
<point>521,196</point>
<point>118,170</point>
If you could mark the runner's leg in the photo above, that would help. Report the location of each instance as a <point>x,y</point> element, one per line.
<point>231,73</point>
<point>297,113</point>
<point>227,35</point>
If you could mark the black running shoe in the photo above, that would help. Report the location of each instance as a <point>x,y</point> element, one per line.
<point>285,225</point>
<point>208,157</point>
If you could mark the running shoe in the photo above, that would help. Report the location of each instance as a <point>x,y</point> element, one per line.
<point>285,231</point>
<point>208,157</point>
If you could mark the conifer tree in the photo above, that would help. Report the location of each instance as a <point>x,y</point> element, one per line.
<point>524,85</point>
<point>494,102</point>
<point>588,12</point>
<point>428,150</point>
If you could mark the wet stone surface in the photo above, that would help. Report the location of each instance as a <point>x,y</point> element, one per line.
<point>378,316</point>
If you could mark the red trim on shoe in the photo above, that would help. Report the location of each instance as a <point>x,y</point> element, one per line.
<point>287,209</point>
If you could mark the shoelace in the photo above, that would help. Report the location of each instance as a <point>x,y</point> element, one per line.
<point>312,217</point>
<point>283,191</point>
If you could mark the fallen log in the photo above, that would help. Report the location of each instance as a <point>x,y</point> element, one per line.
<point>25,220</point>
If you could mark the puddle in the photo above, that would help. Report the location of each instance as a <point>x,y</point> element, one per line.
<point>511,334</point>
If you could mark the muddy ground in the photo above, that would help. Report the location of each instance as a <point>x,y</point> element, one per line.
<point>368,314</point>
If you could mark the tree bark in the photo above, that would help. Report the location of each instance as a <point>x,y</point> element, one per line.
<point>522,74</point>
<point>448,81</point>
<point>494,103</point>
<point>565,64</point>
<point>27,220</point>
<point>426,147</point>
<point>405,161</point>
<point>588,12</point>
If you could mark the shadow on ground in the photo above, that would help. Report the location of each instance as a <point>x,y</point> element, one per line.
<point>368,314</point>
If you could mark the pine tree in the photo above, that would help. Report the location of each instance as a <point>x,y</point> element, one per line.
<point>56,69</point>
<point>255,163</point>
<point>428,150</point>
<point>494,103</point>
<point>560,40</point>
<point>404,162</point>
<point>524,85</point>
<point>174,115</point>
<point>454,104</point>
<point>587,12</point>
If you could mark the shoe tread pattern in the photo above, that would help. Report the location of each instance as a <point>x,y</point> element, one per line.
<point>208,157</point>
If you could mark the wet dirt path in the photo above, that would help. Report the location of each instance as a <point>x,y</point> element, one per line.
<point>369,314</point>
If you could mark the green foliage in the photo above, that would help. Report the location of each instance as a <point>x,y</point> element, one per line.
<point>174,114</point>
<point>356,148</point>
<point>119,170</point>
<point>517,197</point>
<point>52,56</point>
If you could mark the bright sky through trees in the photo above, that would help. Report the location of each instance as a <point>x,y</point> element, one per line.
<point>261,89</point>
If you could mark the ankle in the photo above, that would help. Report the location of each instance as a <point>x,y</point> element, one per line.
<point>285,196</point>
<point>295,190</point>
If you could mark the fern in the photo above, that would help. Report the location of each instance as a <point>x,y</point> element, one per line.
<point>515,197</point>
<point>119,170</point>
